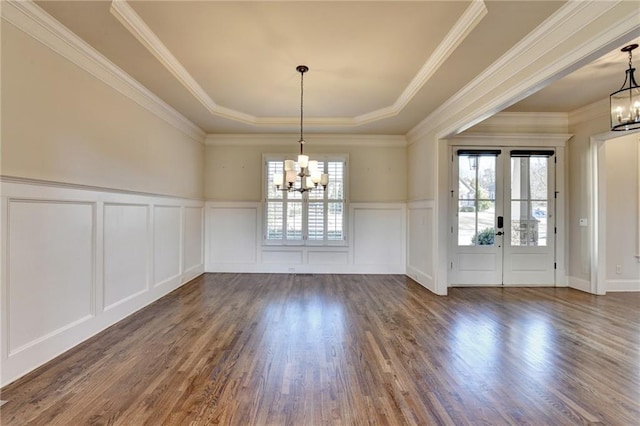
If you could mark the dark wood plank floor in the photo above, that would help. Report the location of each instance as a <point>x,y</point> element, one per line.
<point>347,349</point>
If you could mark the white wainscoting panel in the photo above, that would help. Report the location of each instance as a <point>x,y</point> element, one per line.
<point>78,259</point>
<point>375,244</point>
<point>51,264</point>
<point>166,244</point>
<point>420,237</point>
<point>232,235</point>
<point>282,257</point>
<point>194,237</point>
<point>328,257</point>
<point>126,252</point>
<point>378,235</point>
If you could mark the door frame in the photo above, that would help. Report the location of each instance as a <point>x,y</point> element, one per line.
<point>597,176</point>
<point>556,141</point>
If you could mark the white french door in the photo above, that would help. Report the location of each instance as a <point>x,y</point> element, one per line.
<point>503,229</point>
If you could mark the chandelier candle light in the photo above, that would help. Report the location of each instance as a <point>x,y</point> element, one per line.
<point>309,174</point>
<point>625,103</point>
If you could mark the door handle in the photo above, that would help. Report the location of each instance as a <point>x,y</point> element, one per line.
<point>500,221</point>
<point>499,233</point>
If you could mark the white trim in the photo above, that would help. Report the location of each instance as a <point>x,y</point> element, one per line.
<point>34,21</point>
<point>597,175</point>
<point>598,214</point>
<point>623,285</point>
<point>460,30</point>
<point>590,112</point>
<point>56,184</point>
<point>140,30</point>
<point>421,277</point>
<point>511,139</point>
<point>381,141</point>
<point>562,232</point>
<point>555,31</point>
<point>579,284</point>
<point>516,121</point>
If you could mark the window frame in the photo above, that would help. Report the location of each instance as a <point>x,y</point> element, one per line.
<point>305,241</point>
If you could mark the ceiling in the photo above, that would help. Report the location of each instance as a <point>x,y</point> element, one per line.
<point>376,67</point>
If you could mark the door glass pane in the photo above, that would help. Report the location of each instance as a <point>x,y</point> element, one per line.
<point>529,193</point>
<point>466,222</point>
<point>476,199</point>
<point>467,166</point>
<point>486,220</point>
<point>539,213</point>
<point>519,178</point>
<point>487,178</point>
<point>525,227</point>
<point>538,177</point>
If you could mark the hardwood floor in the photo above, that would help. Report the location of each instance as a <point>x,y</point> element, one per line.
<point>256,349</point>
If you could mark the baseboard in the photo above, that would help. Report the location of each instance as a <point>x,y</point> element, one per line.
<point>422,278</point>
<point>623,285</point>
<point>305,269</point>
<point>579,284</point>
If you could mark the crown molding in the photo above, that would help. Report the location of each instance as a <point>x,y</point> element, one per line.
<point>136,25</point>
<point>555,31</point>
<point>456,35</point>
<point>517,121</point>
<point>34,21</point>
<point>589,112</point>
<point>350,140</point>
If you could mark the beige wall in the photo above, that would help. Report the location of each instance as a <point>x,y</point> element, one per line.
<point>622,207</point>
<point>621,199</point>
<point>578,159</point>
<point>62,124</point>
<point>377,171</point>
<point>421,167</point>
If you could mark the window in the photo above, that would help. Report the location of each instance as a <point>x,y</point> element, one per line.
<point>315,217</point>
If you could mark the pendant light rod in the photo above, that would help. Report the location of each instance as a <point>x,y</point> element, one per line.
<point>302,69</point>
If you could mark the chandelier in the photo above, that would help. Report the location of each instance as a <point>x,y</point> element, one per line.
<point>303,175</point>
<point>625,103</point>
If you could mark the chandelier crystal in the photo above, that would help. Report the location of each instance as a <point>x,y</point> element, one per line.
<point>625,103</point>
<point>303,175</point>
